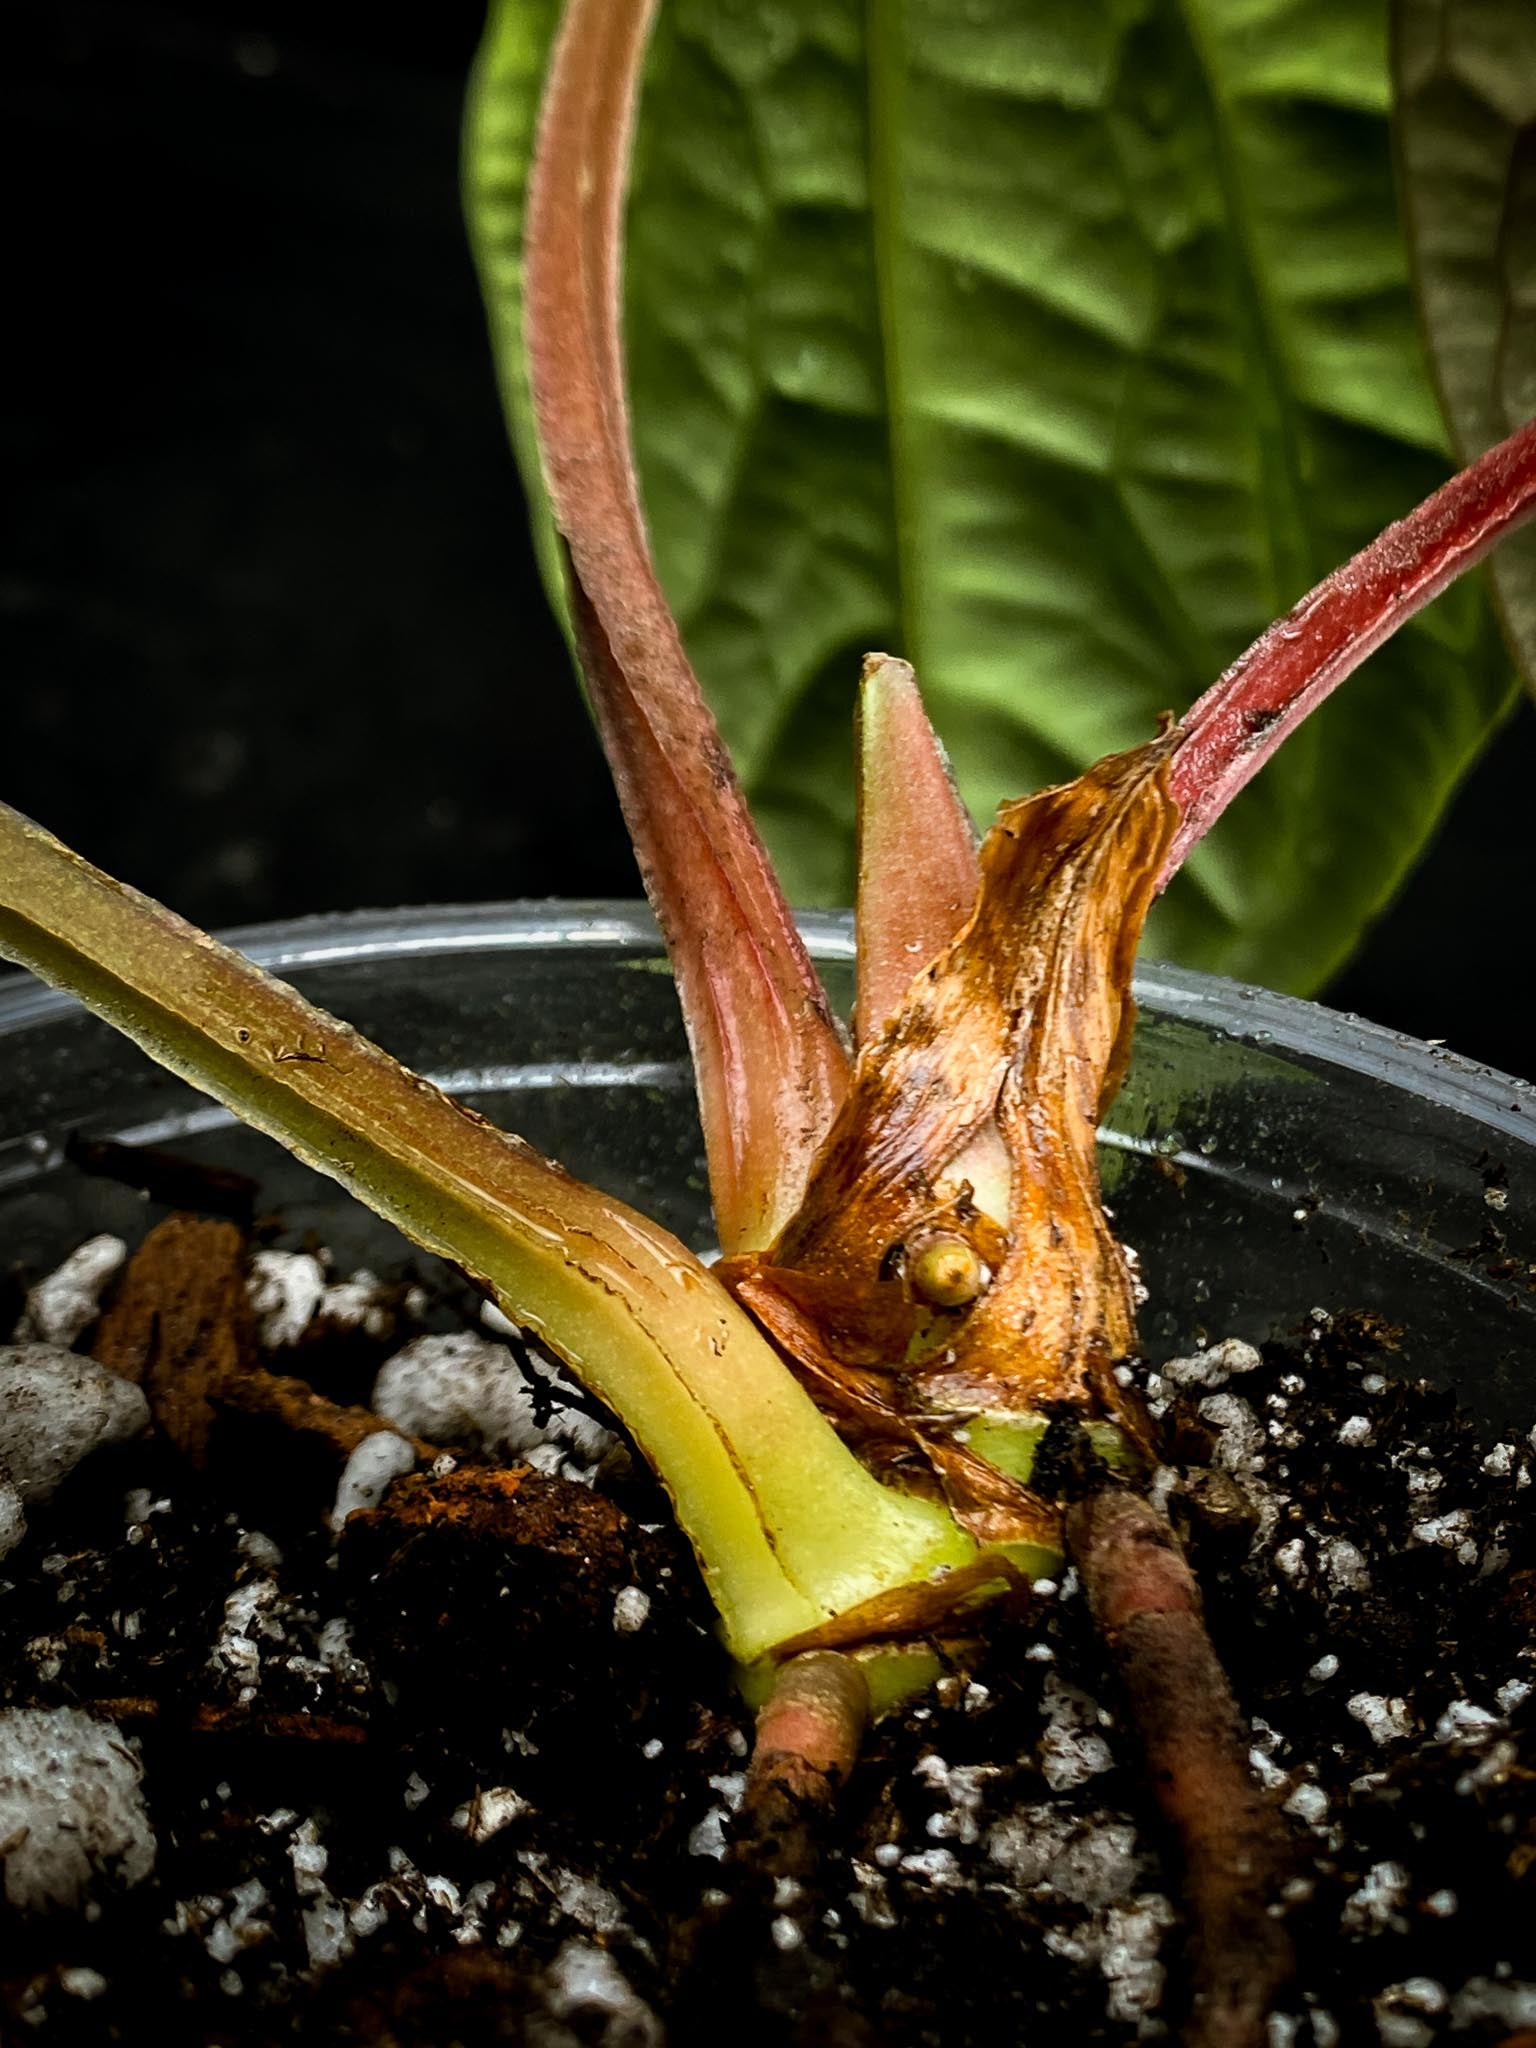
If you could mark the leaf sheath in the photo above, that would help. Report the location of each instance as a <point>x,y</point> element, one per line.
<point>770,1065</point>
<point>918,872</point>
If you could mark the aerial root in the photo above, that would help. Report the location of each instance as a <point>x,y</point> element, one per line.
<point>767,1927</point>
<point>1235,1848</point>
<point>808,1737</point>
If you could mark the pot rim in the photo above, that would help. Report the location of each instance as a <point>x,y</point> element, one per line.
<point>1208,1001</point>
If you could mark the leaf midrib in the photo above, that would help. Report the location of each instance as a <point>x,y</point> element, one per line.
<point>1292,560</point>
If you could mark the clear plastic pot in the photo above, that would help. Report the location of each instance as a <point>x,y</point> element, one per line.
<point>1265,1156</point>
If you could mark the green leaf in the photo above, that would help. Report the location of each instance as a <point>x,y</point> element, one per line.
<point>1057,347</point>
<point>1465,77</point>
<point>501,116</point>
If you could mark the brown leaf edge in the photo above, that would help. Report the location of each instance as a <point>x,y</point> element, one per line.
<point>1023,1023</point>
<point>770,1064</point>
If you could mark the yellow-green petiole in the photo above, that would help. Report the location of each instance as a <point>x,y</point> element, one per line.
<point>790,1530</point>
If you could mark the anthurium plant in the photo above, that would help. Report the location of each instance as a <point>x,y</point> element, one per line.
<point>918,1278</point>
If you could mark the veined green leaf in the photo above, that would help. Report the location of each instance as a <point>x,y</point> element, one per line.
<point>499,131</point>
<point>1057,345</point>
<point>1465,116</point>
<point>789,1528</point>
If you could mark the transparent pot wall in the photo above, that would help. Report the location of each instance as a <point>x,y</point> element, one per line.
<point>1264,1157</point>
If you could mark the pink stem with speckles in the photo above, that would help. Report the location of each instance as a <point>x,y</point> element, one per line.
<point>1240,721</point>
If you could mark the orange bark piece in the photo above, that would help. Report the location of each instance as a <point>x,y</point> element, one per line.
<point>182,1328</point>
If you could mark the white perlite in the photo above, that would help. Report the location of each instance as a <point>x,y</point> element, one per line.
<point>707,1837</point>
<point>1239,1446</point>
<point>963,1786</point>
<point>933,1866</point>
<point>82,1982</point>
<point>356,1303</point>
<point>1345,1565</point>
<point>1309,1803</point>
<point>1133,1938</point>
<point>1377,1899</point>
<point>465,1389</point>
<point>248,1620</point>
<point>55,1408</point>
<point>69,1299</point>
<point>1508,2004</point>
<point>1090,1861</point>
<point>1384,1720</point>
<point>71,1811</point>
<point>13,1519</point>
<point>584,1983</point>
<point>491,1810</point>
<point>1071,1748</point>
<point>1212,1367</point>
<point>284,1290</point>
<point>310,1859</point>
<point>240,1925</point>
<point>366,1476</point>
<point>1447,1530</point>
<point>1269,1775</point>
<point>327,1936</point>
<point>1463,1719</point>
<point>590,1904</point>
<point>631,1609</point>
<point>1404,2012</point>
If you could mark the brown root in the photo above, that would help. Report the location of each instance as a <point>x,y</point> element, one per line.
<point>766,1932</point>
<point>808,1737</point>
<point>1234,1845</point>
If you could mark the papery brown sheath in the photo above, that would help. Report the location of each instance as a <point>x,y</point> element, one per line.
<point>1021,1025</point>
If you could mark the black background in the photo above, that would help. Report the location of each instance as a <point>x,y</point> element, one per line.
<point>273,640</point>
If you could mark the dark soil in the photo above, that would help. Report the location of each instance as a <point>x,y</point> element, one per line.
<point>466,1774</point>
